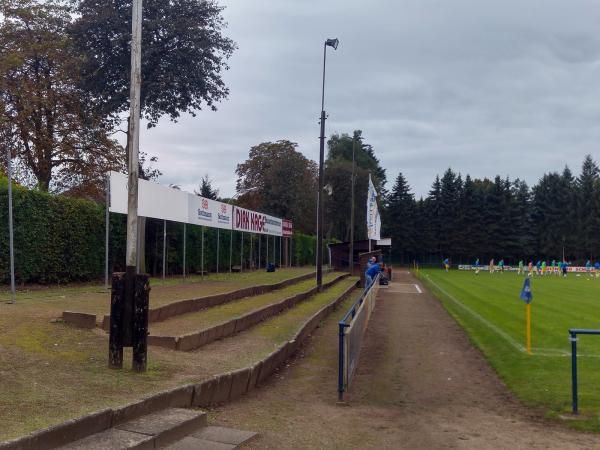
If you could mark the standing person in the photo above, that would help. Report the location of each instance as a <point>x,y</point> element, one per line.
<point>544,267</point>
<point>553,266</point>
<point>538,267</point>
<point>597,269</point>
<point>492,265</point>
<point>477,266</point>
<point>501,266</point>
<point>520,269</point>
<point>530,269</point>
<point>370,274</point>
<point>446,264</point>
<point>588,267</point>
<point>563,268</point>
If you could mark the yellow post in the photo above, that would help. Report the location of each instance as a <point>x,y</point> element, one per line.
<point>528,310</point>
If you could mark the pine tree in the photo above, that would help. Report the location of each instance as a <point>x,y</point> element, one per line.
<point>400,219</point>
<point>587,211</point>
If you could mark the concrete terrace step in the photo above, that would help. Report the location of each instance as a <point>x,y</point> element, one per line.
<point>251,316</point>
<point>213,438</point>
<point>147,432</point>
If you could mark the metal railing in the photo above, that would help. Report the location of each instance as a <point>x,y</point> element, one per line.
<point>344,325</point>
<point>573,332</point>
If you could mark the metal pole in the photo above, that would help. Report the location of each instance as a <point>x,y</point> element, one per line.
<point>218,249</point>
<point>242,254</point>
<point>280,262</point>
<point>134,139</point>
<point>202,254</point>
<point>267,251</point>
<point>320,187</point>
<point>351,255</point>
<point>13,292</point>
<point>259,245</point>
<point>251,252</point>
<point>164,255</point>
<point>342,327</point>
<point>184,236</point>
<point>573,339</point>
<point>107,233</point>
<point>230,248</point>
<point>274,254</point>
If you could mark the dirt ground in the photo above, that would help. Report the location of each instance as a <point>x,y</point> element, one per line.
<point>420,384</point>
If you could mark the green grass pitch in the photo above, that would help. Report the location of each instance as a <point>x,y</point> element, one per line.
<point>489,308</point>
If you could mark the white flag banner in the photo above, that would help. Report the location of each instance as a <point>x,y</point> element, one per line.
<point>373,218</point>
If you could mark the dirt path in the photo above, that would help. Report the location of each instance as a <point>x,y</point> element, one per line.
<point>420,385</point>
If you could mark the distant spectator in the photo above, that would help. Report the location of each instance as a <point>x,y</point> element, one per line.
<point>370,274</point>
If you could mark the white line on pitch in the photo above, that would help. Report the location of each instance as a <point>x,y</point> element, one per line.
<point>418,289</point>
<point>549,352</point>
<point>500,332</point>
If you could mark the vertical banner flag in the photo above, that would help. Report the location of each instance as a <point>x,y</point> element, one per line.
<point>373,218</point>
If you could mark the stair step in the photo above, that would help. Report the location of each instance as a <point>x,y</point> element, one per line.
<point>213,438</point>
<point>147,432</point>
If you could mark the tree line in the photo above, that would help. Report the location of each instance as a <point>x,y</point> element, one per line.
<point>468,218</point>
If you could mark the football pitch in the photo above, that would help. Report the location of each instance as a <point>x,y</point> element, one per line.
<point>489,308</point>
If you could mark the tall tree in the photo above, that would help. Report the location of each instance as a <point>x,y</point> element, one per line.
<point>57,141</point>
<point>338,175</point>
<point>399,220</point>
<point>183,56</point>
<point>281,181</point>
<point>206,189</point>
<point>587,208</point>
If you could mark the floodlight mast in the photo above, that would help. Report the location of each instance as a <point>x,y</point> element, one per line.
<point>334,44</point>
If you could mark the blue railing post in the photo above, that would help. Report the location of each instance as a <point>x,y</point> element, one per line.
<point>342,327</point>
<point>573,339</point>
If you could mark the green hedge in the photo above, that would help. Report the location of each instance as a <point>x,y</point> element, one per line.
<point>61,239</point>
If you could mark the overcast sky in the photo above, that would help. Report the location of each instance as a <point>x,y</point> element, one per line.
<point>508,87</point>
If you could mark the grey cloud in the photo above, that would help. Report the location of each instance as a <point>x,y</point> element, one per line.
<point>487,87</point>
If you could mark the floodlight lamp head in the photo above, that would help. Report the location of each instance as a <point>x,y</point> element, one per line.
<point>332,43</point>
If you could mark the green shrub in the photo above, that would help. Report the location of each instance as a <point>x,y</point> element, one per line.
<point>60,239</point>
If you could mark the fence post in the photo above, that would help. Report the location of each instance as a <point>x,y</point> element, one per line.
<point>573,339</point>
<point>342,327</point>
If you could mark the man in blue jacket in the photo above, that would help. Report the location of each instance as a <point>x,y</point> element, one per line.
<point>371,273</point>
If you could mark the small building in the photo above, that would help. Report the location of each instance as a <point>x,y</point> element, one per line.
<point>340,253</point>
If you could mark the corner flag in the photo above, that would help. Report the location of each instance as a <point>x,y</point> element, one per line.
<point>527,297</point>
<point>526,294</point>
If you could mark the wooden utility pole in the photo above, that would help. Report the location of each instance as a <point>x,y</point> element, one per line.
<point>129,298</point>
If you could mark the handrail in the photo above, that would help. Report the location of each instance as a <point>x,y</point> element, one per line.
<point>573,332</point>
<point>358,302</point>
<point>342,334</point>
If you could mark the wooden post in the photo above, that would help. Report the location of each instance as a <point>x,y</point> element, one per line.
<point>115,339</point>
<point>140,323</point>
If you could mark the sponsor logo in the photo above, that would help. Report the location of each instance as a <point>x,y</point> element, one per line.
<point>204,215</point>
<point>204,203</point>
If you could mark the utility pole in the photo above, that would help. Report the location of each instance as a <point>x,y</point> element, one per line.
<point>351,256</point>
<point>13,293</point>
<point>134,138</point>
<point>130,292</point>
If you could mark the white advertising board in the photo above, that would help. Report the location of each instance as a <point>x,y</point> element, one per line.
<point>154,200</point>
<point>255,222</point>
<point>210,213</point>
<point>161,202</point>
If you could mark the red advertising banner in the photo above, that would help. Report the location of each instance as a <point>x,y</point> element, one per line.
<point>287,228</point>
